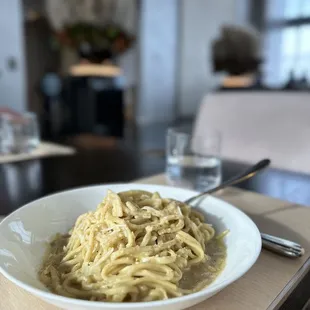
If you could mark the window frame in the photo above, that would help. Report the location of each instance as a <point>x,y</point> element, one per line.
<point>258,17</point>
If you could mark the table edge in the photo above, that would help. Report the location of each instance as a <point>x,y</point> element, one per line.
<point>290,286</point>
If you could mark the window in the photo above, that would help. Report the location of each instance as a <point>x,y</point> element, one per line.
<point>287,41</point>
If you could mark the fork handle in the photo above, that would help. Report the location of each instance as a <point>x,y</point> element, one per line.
<point>282,246</point>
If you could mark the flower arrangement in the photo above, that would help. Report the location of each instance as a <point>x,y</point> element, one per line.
<point>97,29</point>
<point>109,40</point>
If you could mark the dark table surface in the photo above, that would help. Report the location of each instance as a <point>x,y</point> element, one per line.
<point>22,182</point>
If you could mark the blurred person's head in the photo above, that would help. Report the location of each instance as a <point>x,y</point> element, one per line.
<point>236,51</point>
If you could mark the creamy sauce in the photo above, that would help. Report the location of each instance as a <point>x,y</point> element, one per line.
<point>201,275</point>
<point>197,277</point>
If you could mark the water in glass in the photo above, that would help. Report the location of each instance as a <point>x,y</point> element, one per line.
<point>6,135</point>
<point>189,167</point>
<point>25,133</point>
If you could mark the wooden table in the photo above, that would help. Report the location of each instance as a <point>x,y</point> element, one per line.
<point>273,282</point>
<point>25,181</point>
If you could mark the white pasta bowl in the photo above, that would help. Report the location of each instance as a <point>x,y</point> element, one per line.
<point>24,235</point>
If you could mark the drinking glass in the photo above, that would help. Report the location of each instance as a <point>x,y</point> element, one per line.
<point>193,161</point>
<point>6,134</point>
<point>25,131</point>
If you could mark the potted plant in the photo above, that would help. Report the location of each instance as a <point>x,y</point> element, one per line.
<point>91,30</point>
<point>94,43</point>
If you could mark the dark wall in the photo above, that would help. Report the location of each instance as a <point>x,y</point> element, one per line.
<point>40,56</point>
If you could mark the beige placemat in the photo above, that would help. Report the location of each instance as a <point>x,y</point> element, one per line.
<point>43,150</point>
<point>265,286</point>
<point>272,278</point>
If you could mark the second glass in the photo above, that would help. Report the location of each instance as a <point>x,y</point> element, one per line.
<point>193,161</point>
<point>25,132</point>
<point>6,135</point>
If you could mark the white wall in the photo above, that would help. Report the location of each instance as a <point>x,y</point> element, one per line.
<point>157,51</point>
<point>200,23</point>
<point>129,61</point>
<point>12,82</point>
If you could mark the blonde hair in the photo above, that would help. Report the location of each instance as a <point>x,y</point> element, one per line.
<point>237,50</point>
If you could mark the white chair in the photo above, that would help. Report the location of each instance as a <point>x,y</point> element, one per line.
<point>255,125</point>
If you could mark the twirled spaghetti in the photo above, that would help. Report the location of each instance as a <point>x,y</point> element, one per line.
<point>134,247</point>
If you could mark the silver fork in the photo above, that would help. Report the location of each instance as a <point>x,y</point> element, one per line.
<point>282,246</point>
<point>272,243</point>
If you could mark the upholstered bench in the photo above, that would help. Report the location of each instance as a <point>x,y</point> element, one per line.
<point>260,124</point>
